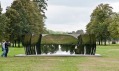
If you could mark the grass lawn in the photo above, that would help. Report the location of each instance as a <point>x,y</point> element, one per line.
<point>108,62</point>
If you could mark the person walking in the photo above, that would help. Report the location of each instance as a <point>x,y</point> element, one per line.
<point>3,49</point>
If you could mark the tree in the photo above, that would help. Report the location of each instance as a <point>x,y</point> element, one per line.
<point>14,27</point>
<point>100,19</point>
<point>3,25</point>
<point>25,17</point>
<point>42,6</point>
<point>31,17</point>
<point>114,26</point>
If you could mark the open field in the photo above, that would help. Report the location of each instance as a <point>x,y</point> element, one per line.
<point>108,62</point>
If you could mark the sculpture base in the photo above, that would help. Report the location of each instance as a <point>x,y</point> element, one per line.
<point>58,55</point>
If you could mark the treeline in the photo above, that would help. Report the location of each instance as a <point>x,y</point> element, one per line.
<point>61,32</point>
<point>104,23</point>
<point>23,16</point>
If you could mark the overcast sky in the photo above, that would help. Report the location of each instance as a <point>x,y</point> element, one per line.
<point>69,15</point>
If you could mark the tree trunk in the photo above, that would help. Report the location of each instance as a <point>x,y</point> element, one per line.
<point>12,44</point>
<point>15,42</point>
<point>19,39</point>
<point>105,42</point>
<point>18,42</point>
<point>99,41</point>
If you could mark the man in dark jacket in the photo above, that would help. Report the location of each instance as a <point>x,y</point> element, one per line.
<point>7,44</point>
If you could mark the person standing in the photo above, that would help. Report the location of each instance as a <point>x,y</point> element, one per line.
<point>3,49</point>
<point>7,44</point>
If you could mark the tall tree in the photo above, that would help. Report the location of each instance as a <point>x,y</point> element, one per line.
<point>25,17</point>
<point>3,25</point>
<point>31,17</point>
<point>100,21</point>
<point>114,26</point>
<point>42,6</point>
<point>14,26</point>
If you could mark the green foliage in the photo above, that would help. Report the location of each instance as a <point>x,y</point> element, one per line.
<point>114,26</point>
<point>80,49</point>
<point>93,38</point>
<point>45,48</point>
<point>65,48</point>
<point>42,6</point>
<point>100,19</point>
<point>34,39</point>
<point>29,39</point>
<point>14,27</point>
<point>58,39</point>
<point>3,26</point>
<point>26,39</point>
<point>85,39</point>
<point>70,48</point>
<point>31,18</point>
<point>25,17</point>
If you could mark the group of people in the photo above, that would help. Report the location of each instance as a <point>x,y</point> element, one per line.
<point>5,48</point>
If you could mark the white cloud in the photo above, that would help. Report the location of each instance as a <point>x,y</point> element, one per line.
<point>66,18</point>
<point>65,27</point>
<point>115,6</point>
<point>5,3</point>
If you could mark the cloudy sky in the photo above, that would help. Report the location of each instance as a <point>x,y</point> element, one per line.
<point>69,15</point>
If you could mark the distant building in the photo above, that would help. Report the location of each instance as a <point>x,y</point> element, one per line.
<point>79,32</point>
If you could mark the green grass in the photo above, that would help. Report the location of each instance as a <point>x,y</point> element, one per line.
<point>108,62</point>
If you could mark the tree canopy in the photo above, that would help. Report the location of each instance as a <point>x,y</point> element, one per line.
<point>100,19</point>
<point>25,17</point>
<point>114,25</point>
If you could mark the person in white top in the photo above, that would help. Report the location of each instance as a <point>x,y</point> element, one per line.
<point>3,49</point>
